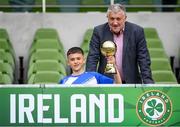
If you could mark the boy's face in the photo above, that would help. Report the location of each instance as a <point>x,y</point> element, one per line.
<point>76,61</point>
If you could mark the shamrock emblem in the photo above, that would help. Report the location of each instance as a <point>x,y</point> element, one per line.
<point>154,108</point>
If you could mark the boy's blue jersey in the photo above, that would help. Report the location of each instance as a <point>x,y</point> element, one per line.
<point>90,78</point>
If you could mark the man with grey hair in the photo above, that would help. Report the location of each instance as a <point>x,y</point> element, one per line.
<point>132,56</point>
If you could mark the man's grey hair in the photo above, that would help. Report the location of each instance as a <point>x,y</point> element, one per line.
<point>116,8</point>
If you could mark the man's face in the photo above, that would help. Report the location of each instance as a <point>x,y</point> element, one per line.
<point>116,21</point>
<point>76,61</point>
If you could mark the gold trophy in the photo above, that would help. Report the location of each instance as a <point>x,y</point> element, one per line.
<point>108,48</point>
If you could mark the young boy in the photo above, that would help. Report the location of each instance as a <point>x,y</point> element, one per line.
<point>76,61</point>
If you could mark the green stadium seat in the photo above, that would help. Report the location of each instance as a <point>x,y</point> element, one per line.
<point>151,33</point>
<point>87,36</point>
<point>154,43</point>
<point>86,40</point>
<point>85,47</point>
<point>160,64</point>
<point>5,79</point>
<point>48,33</point>
<point>47,44</point>
<point>45,77</point>
<point>157,53</point>
<point>46,65</point>
<point>6,68</point>
<point>7,57</point>
<point>48,54</point>
<point>4,44</point>
<point>164,77</point>
<point>4,34</point>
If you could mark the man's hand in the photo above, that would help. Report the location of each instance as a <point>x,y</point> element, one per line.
<point>111,60</point>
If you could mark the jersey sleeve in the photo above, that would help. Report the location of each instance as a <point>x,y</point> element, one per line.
<point>102,79</point>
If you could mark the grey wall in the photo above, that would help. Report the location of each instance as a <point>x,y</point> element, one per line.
<point>71,27</point>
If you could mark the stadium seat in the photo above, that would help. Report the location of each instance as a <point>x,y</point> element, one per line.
<point>47,44</point>
<point>7,58</point>
<point>86,41</point>
<point>87,35</point>
<point>48,33</point>
<point>164,77</point>
<point>45,77</point>
<point>46,65</point>
<point>5,79</point>
<point>4,38</point>
<point>151,33</point>
<point>160,64</point>
<point>154,43</point>
<point>6,45</point>
<point>4,34</point>
<point>6,68</point>
<point>157,53</point>
<point>85,47</point>
<point>47,54</point>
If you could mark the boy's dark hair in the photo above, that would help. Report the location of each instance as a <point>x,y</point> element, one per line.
<point>75,50</point>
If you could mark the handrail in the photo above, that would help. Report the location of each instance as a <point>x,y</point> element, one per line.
<point>91,6</point>
<point>45,6</point>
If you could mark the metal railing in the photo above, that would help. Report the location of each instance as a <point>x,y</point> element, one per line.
<point>44,6</point>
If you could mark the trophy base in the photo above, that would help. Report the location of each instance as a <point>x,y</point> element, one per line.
<point>110,69</point>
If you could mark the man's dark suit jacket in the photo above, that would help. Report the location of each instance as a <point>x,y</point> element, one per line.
<point>136,60</point>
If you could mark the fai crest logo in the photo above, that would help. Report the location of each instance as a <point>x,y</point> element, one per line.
<point>154,108</point>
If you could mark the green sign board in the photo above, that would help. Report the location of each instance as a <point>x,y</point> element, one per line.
<point>54,105</point>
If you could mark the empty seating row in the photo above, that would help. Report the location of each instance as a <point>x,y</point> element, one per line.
<point>47,62</point>
<point>160,65</point>
<point>7,58</point>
